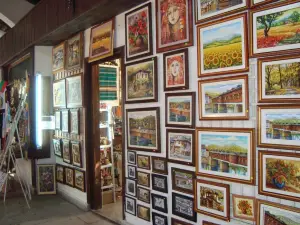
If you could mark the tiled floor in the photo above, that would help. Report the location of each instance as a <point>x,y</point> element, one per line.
<point>112,212</point>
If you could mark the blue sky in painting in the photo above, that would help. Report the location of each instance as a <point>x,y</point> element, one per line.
<point>282,116</point>
<point>241,141</point>
<point>180,99</point>
<point>219,88</point>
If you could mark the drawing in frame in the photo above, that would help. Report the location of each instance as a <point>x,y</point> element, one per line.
<point>59,94</point>
<point>74,91</point>
<point>58,58</point>
<point>143,194</point>
<point>220,194</point>
<point>278,79</point>
<point>180,146</point>
<point>278,212</point>
<point>180,109</point>
<point>130,187</point>
<point>183,180</point>
<point>131,172</point>
<point>141,81</point>
<point>131,157</point>
<point>233,151</point>
<point>69,173</point>
<point>136,126</point>
<point>60,173</point>
<point>57,147</point>
<point>244,207</point>
<point>159,183</point>
<point>159,203</point>
<point>274,29</point>
<point>143,162</point>
<point>174,24</point>
<point>159,219</point>
<point>57,120</point>
<point>67,153</point>
<point>176,70</point>
<point>74,121</point>
<point>223,46</point>
<point>74,52</point>
<point>130,205</point>
<point>46,181</point>
<point>178,222</point>
<point>102,41</point>
<point>138,28</point>
<point>143,212</point>
<point>79,180</point>
<point>143,179</point>
<point>277,126</point>
<point>76,153</point>
<point>278,175</point>
<point>159,165</point>
<point>65,121</point>
<point>224,98</point>
<point>183,206</point>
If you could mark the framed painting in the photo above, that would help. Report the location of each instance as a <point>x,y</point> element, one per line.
<point>159,203</point>
<point>59,94</point>
<point>143,194</point>
<point>159,219</point>
<point>269,211</point>
<point>275,29</point>
<point>244,207</point>
<point>102,41</point>
<point>183,206</point>
<point>208,191</point>
<point>76,153</point>
<point>255,3</point>
<point>74,52</point>
<point>74,121</point>
<point>174,24</point>
<point>131,172</point>
<point>143,162</point>
<point>130,187</point>
<point>141,81</point>
<point>159,183</point>
<point>130,205</point>
<point>60,174</point>
<point>183,180</point>
<point>67,153</point>
<point>57,147</point>
<point>278,79</point>
<point>279,175</point>
<point>180,109</point>
<point>57,120</point>
<point>143,179</point>
<point>131,157</point>
<point>79,180</point>
<point>208,223</point>
<point>138,29</point>
<point>223,46</point>
<point>159,165</point>
<point>278,126</point>
<point>181,146</point>
<point>65,121</point>
<point>58,58</point>
<point>226,153</point>
<point>178,222</point>
<point>143,212</point>
<point>176,70</point>
<point>224,98</point>
<point>69,173</point>
<point>74,91</point>
<point>46,181</point>
<point>143,129</point>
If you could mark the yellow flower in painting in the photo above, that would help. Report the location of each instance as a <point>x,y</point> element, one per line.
<point>223,65</point>
<point>224,57</point>
<point>216,61</point>
<point>240,55</point>
<point>210,58</point>
<point>206,62</point>
<point>239,59</point>
<point>229,62</point>
<point>234,55</point>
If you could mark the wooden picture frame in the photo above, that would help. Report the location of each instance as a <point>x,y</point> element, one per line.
<point>57,146</point>
<point>209,65</point>
<point>138,114</point>
<point>243,206</point>
<point>135,39</point>
<point>74,121</point>
<point>130,205</point>
<point>143,162</point>
<point>224,98</point>
<point>260,3</point>
<point>161,219</point>
<point>168,35</point>
<point>60,173</point>
<point>203,188</point>
<point>183,180</point>
<point>184,154</point>
<point>143,194</point>
<point>143,179</point>
<point>79,180</point>
<point>59,94</point>
<point>143,212</point>
<point>131,171</point>
<point>65,125</point>
<point>74,58</point>
<point>46,175</point>
<point>131,157</point>
<point>57,120</point>
<point>208,223</point>
<point>58,57</point>
<point>178,222</point>
<point>67,152</point>
<point>182,113</point>
<point>176,70</point>
<point>76,154</point>
<point>131,187</point>
<point>74,91</point>
<point>186,202</point>
<point>159,203</point>
<point>159,183</point>
<point>69,176</point>
<point>159,165</point>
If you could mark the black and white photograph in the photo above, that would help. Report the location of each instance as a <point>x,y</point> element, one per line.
<point>130,205</point>
<point>143,194</point>
<point>159,203</point>
<point>130,187</point>
<point>183,206</point>
<point>131,157</point>
<point>57,147</point>
<point>159,183</point>
<point>159,219</point>
<point>131,172</point>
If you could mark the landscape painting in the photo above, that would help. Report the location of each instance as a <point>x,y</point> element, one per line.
<point>222,47</point>
<point>182,180</point>
<point>276,28</point>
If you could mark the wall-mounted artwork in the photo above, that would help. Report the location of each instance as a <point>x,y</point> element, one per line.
<point>74,91</point>
<point>255,3</point>
<point>159,165</point>
<point>143,179</point>
<point>60,173</point>
<point>278,126</point>
<point>46,182</point>
<point>143,129</point>
<point>244,207</point>
<point>275,28</point>
<point>143,194</point>
<point>74,121</point>
<point>143,212</point>
<point>208,223</point>
<point>131,157</point>
<point>178,222</point>
<point>176,70</point>
<point>57,147</point>
<point>183,180</point>
<point>58,58</point>
<point>76,153</point>
<point>57,120</point>
<point>226,153</point>
<point>130,187</point>
<point>174,24</point>
<point>141,81</point>
<point>223,46</point>
<point>67,153</point>
<point>131,172</point>
<point>130,205</point>
<point>143,162</point>
<point>59,94</point>
<point>79,180</point>
<point>159,183</point>
<point>159,219</point>
<point>159,203</point>
<point>183,206</point>
<point>138,28</point>
<point>69,173</point>
<point>102,41</point>
<point>74,52</point>
<point>278,79</point>
<point>65,121</point>
<point>224,98</point>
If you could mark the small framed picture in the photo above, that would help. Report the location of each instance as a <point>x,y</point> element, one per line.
<point>58,58</point>
<point>130,205</point>
<point>244,207</point>
<point>159,203</point>
<point>143,162</point>
<point>183,206</point>
<point>57,120</point>
<point>59,94</point>
<point>178,222</point>
<point>65,121</point>
<point>160,183</point>
<point>74,52</point>
<point>69,173</point>
<point>60,173</point>
<point>159,165</point>
<point>79,177</point>
<point>183,180</point>
<point>130,187</point>
<point>74,121</point>
<point>143,194</point>
<point>67,153</point>
<point>131,157</point>
<point>74,90</point>
<point>143,179</point>
<point>131,171</point>
<point>46,182</point>
<point>159,219</point>
<point>76,153</point>
<point>57,147</point>
<point>143,212</point>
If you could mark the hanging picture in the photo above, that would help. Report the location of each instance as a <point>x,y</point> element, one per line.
<point>159,183</point>
<point>74,52</point>
<point>224,98</point>
<point>143,195</point>
<point>130,187</point>
<point>159,219</point>
<point>60,173</point>
<point>79,182</point>
<point>57,147</point>
<point>255,3</point>
<point>159,203</point>
<point>143,212</point>
<point>223,46</point>
<point>180,109</point>
<point>159,165</point>
<point>143,179</point>
<point>58,58</point>
<point>67,154</point>
<point>244,207</point>
<point>69,173</point>
<point>74,91</point>
<point>174,24</point>
<point>131,157</point>
<point>143,129</point>
<point>141,81</point>
<point>178,222</point>
<point>74,121</point>
<point>143,162</point>
<point>76,153</point>
<point>180,146</point>
<point>278,79</point>
<point>131,172</point>
<point>207,191</point>
<point>102,41</point>
<point>57,120</point>
<point>183,206</point>
<point>59,94</point>
<point>176,70</point>
<point>65,121</point>
<point>278,126</point>
<point>138,28</point>
<point>130,205</point>
<point>183,180</point>
<point>275,28</point>
<point>226,153</point>
<point>46,181</point>
<point>208,223</point>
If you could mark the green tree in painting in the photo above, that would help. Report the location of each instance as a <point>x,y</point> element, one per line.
<point>267,21</point>
<point>295,17</point>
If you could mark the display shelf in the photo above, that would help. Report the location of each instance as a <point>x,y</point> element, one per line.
<point>106,166</point>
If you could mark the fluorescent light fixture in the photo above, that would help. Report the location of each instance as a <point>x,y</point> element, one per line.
<point>38,112</point>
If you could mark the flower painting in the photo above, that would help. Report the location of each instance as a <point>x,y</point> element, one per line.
<point>243,207</point>
<point>174,24</point>
<point>46,182</point>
